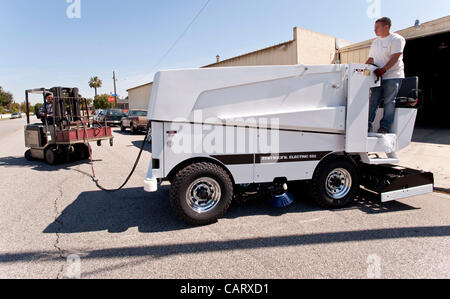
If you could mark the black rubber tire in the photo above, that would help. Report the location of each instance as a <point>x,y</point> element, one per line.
<point>50,156</point>
<point>122,128</point>
<point>81,152</point>
<point>29,156</point>
<point>132,129</point>
<point>185,177</point>
<point>317,185</point>
<point>87,151</point>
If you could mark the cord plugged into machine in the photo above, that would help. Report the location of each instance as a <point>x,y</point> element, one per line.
<point>95,179</point>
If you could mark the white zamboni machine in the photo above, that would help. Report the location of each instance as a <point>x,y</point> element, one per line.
<point>220,134</point>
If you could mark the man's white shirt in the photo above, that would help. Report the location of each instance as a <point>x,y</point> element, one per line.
<point>381,51</point>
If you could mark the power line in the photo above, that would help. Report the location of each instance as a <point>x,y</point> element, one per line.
<point>181,36</point>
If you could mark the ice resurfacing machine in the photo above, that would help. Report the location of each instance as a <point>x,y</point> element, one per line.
<point>208,126</point>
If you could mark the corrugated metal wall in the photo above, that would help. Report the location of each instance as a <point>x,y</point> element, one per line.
<point>358,55</point>
<point>283,54</point>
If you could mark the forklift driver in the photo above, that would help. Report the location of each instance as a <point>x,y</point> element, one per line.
<point>46,111</point>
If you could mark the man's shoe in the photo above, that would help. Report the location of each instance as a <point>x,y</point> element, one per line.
<point>383,131</point>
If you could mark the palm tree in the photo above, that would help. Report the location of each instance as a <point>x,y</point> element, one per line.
<point>95,83</point>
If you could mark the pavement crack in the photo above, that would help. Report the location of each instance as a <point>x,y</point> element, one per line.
<point>58,235</point>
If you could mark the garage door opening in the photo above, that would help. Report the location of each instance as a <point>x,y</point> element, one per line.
<point>428,58</point>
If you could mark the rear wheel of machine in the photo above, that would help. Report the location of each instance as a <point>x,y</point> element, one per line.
<point>122,128</point>
<point>132,129</point>
<point>201,193</point>
<point>335,182</point>
<point>51,156</point>
<point>29,156</point>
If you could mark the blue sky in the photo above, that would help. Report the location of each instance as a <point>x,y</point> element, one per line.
<point>42,47</point>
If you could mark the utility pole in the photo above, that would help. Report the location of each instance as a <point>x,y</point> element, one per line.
<point>115,90</point>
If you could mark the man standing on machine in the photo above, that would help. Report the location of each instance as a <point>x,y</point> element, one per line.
<point>386,53</point>
<point>46,111</point>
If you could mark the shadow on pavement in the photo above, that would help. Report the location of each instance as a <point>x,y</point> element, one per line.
<point>165,250</point>
<point>151,212</point>
<point>138,144</point>
<point>117,212</point>
<point>442,190</point>
<point>37,164</point>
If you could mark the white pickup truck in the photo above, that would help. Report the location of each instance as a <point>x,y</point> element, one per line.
<point>222,133</point>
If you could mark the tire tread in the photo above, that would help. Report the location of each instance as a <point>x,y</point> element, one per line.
<point>315,186</point>
<point>179,182</point>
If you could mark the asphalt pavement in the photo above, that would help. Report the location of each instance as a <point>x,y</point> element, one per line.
<point>55,223</point>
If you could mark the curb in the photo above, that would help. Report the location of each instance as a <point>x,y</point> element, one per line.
<point>442,190</point>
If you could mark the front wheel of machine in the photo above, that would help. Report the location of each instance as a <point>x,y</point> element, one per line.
<point>51,156</point>
<point>201,193</point>
<point>335,183</point>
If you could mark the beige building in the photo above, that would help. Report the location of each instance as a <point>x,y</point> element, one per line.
<point>307,47</point>
<point>139,96</point>
<point>425,54</point>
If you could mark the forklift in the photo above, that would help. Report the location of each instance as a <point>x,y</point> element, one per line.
<point>64,135</point>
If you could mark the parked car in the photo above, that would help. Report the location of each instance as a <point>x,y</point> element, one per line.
<point>112,117</point>
<point>136,120</point>
<point>16,115</point>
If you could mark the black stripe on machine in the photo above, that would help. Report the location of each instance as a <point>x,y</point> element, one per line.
<point>290,157</point>
<point>270,158</point>
<point>235,159</point>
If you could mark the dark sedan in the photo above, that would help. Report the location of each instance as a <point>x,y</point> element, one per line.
<point>111,116</point>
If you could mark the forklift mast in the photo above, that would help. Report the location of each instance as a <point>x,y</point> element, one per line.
<point>67,106</point>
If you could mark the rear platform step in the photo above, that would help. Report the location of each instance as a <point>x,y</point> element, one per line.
<point>378,161</point>
<point>388,182</point>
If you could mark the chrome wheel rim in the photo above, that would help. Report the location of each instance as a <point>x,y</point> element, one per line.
<point>203,195</point>
<point>338,183</point>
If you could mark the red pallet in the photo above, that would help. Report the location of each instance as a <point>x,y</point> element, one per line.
<point>77,135</point>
